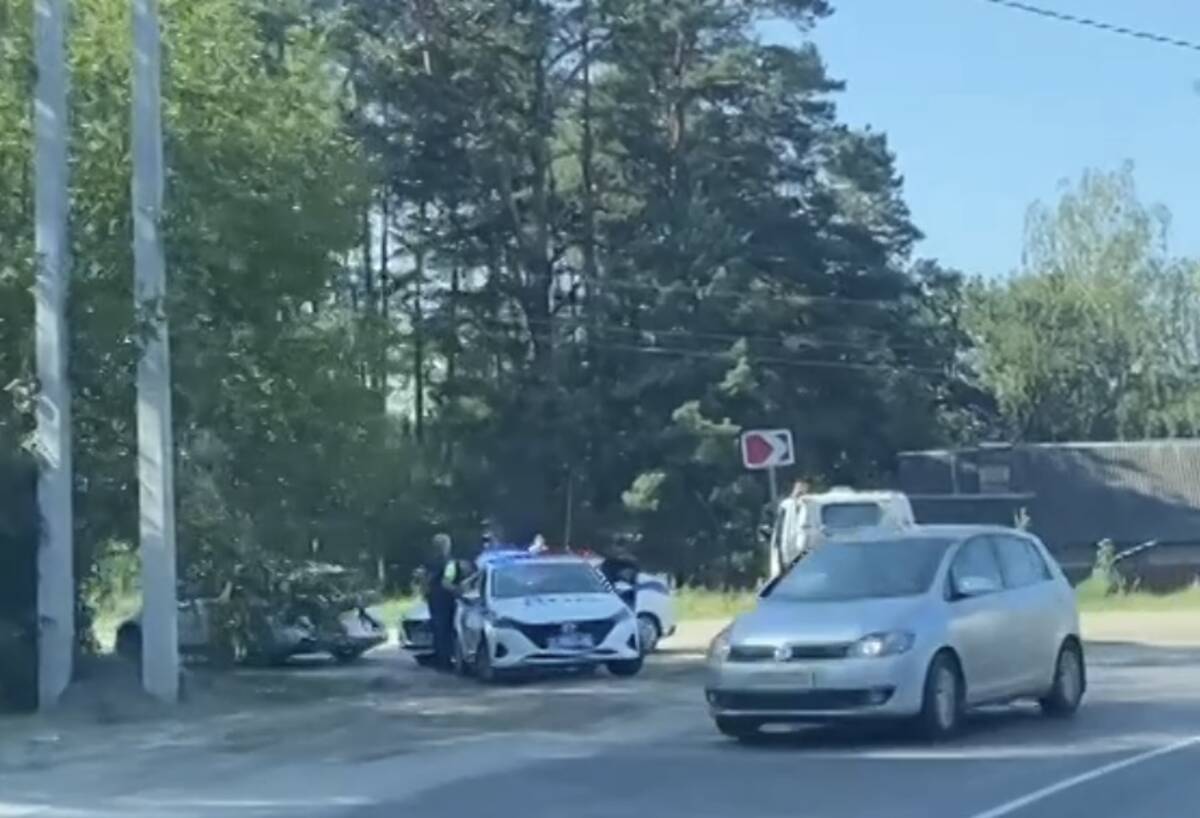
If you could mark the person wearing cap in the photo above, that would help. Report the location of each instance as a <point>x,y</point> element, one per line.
<point>441,579</point>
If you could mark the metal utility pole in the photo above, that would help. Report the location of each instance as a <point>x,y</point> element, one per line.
<point>56,579</point>
<point>156,451</point>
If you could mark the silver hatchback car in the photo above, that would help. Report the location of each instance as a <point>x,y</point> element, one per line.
<point>919,625</point>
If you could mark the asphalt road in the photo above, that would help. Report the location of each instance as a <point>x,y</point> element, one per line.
<point>412,742</point>
<point>1132,752</point>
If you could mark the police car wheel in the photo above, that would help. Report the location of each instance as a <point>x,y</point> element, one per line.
<point>625,667</point>
<point>648,632</point>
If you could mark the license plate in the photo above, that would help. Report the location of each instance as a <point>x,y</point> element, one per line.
<point>790,680</point>
<point>571,641</point>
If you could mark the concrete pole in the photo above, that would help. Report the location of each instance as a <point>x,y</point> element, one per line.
<point>56,579</point>
<point>156,451</point>
<point>775,556</point>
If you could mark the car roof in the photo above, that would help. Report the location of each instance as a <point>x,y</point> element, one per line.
<point>921,531</point>
<point>843,494</point>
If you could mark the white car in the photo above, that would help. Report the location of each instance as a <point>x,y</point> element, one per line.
<point>532,612</point>
<point>656,617</point>
<point>805,522</point>
<point>655,607</point>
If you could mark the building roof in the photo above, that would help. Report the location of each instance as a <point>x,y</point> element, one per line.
<point>1082,493</point>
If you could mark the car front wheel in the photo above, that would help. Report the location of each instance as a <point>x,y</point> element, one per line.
<point>346,656</point>
<point>1069,683</point>
<point>626,667</point>
<point>943,702</point>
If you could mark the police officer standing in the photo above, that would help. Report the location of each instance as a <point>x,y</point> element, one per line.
<point>441,577</point>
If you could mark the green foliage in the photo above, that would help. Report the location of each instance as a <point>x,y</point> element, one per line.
<point>436,262</point>
<point>1094,339</point>
<point>627,230</point>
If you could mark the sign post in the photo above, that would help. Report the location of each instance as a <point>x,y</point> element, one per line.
<point>767,450</point>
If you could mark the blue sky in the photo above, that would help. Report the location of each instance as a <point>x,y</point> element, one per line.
<point>989,109</point>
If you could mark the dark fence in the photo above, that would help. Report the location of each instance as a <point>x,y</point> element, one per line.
<point>18,584</point>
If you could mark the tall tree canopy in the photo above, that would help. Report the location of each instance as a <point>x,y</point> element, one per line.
<point>1095,337</point>
<point>622,230</point>
<point>534,260</point>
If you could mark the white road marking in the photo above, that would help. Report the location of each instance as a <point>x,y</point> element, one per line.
<point>1085,778</point>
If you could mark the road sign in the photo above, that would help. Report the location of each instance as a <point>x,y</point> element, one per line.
<point>767,448</point>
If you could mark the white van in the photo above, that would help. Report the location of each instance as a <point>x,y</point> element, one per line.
<point>809,520</point>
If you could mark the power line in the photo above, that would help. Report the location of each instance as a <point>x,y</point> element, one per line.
<point>704,354</point>
<point>708,294</point>
<point>1098,25</point>
<point>886,341</point>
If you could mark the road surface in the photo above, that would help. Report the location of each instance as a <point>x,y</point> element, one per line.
<point>604,747</point>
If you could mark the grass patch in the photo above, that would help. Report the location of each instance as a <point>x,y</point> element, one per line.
<point>394,607</point>
<point>699,603</point>
<point>1093,596</point>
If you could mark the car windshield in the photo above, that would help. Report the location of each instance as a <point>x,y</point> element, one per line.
<point>537,579</point>
<point>863,570</point>
<point>851,515</point>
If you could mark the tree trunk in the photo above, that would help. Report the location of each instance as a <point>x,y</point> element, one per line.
<point>385,297</point>
<point>418,316</point>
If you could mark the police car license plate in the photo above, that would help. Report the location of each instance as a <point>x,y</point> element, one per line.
<point>571,641</point>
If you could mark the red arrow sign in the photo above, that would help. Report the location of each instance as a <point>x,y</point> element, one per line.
<point>767,448</point>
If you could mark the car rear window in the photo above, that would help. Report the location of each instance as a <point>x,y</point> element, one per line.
<point>851,515</point>
<point>864,570</point>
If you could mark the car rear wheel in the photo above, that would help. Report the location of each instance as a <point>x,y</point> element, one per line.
<point>738,727</point>
<point>648,632</point>
<point>944,702</point>
<point>1069,683</point>
<point>626,667</point>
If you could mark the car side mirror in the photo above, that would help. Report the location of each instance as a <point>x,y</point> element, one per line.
<point>973,586</point>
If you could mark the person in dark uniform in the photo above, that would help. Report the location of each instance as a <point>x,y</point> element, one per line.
<point>441,579</point>
<point>621,567</point>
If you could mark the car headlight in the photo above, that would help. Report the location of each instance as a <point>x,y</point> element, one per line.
<point>718,650</point>
<point>876,645</point>
<point>623,615</point>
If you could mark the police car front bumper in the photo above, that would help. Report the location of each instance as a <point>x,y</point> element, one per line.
<point>563,644</point>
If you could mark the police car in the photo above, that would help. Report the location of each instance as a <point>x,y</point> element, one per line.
<point>533,611</point>
<point>655,609</point>
<point>416,627</point>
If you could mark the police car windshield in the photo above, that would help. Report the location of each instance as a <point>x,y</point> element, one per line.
<point>542,578</point>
